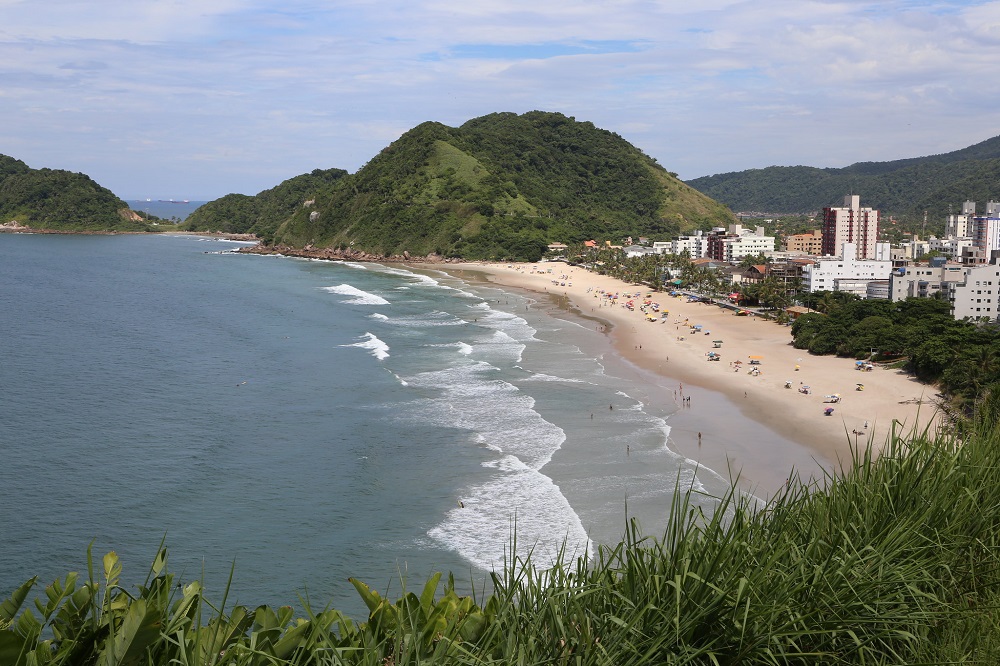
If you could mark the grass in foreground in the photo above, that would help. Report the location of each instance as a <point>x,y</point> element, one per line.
<point>894,561</point>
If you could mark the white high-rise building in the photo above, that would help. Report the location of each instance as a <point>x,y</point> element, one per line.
<point>986,232</point>
<point>960,226</point>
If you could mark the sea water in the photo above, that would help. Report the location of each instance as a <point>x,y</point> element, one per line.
<point>301,422</point>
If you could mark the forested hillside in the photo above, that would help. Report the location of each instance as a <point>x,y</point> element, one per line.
<point>500,186</point>
<point>905,188</point>
<point>60,200</point>
<point>261,214</point>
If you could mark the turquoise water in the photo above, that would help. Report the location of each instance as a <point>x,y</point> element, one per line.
<point>306,420</point>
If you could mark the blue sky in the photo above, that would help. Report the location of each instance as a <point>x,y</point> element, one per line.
<point>198,98</point>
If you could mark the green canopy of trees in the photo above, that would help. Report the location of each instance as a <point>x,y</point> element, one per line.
<point>54,199</point>
<point>906,189</point>
<point>501,186</point>
<point>262,213</point>
<point>964,357</point>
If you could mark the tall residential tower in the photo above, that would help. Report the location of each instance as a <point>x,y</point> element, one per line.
<point>850,224</point>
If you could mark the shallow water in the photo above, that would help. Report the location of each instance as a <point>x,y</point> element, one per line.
<point>306,420</point>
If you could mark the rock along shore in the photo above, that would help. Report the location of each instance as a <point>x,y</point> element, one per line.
<point>334,254</point>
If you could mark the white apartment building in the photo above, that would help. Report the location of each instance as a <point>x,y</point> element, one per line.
<point>952,246</point>
<point>915,249</point>
<point>696,245</point>
<point>925,281</point>
<point>960,226</point>
<point>979,295</point>
<point>847,272</point>
<point>986,232</point>
<point>746,243</point>
<point>877,289</point>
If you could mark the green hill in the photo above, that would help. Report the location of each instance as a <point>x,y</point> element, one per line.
<point>60,200</point>
<point>261,214</point>
<point>904,188</point>
<point>499,186</point>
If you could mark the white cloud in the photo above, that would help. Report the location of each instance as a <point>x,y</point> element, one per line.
<point>214,96</point>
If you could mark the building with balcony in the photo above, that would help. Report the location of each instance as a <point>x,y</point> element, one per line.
<point>811,243</point>
<point>847,272</point>
<point>850,224</point>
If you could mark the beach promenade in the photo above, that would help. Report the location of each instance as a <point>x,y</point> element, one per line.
<point>673,347</point>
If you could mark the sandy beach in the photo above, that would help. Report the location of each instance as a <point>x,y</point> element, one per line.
<point>667,347</point>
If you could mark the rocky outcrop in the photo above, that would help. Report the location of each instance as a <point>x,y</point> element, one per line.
<point>335,254</point>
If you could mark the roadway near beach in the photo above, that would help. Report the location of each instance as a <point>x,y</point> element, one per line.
<point>890,399</point>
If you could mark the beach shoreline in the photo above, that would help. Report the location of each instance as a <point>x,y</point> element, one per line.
<point>892,401</point>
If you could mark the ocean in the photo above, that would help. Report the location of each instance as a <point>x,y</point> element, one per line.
<point>165,209</point>
<point>301,422</point>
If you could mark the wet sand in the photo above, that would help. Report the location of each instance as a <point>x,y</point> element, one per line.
<point>749,424</point>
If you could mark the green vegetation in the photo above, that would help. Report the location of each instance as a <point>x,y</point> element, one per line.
<point>261,214</point>
<point>500,187</point>
<point>904,188</point>
<point>894,561</point>
<point>60,200</point>
<point>962,357</point>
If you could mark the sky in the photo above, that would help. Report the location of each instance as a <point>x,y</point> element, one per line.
<point>194,99</point>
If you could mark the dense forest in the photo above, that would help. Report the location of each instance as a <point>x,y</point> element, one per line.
<point>501,186</point>
<point>962,357</point>
<point>60,200</point>
<point>261,214</point>
<point>937,184</point>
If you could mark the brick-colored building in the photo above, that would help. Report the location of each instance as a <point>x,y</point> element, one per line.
<point>811,243</point>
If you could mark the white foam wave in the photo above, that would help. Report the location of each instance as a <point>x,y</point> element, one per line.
<point>378,349</point>
<point>516,327</point>
<point>436,318</point>
<point>542,377</point>
<point>379,316</point>
<point>418,278</point>
<point>521,499</point>
<point>469,396</point>
<point>500,348</point>
<point>351,264</point>
<point>359,297</point>
<point>462,347</point>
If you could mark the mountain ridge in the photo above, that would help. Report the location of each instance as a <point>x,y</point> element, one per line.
<point>905,188</point>
<point>500,186</point>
